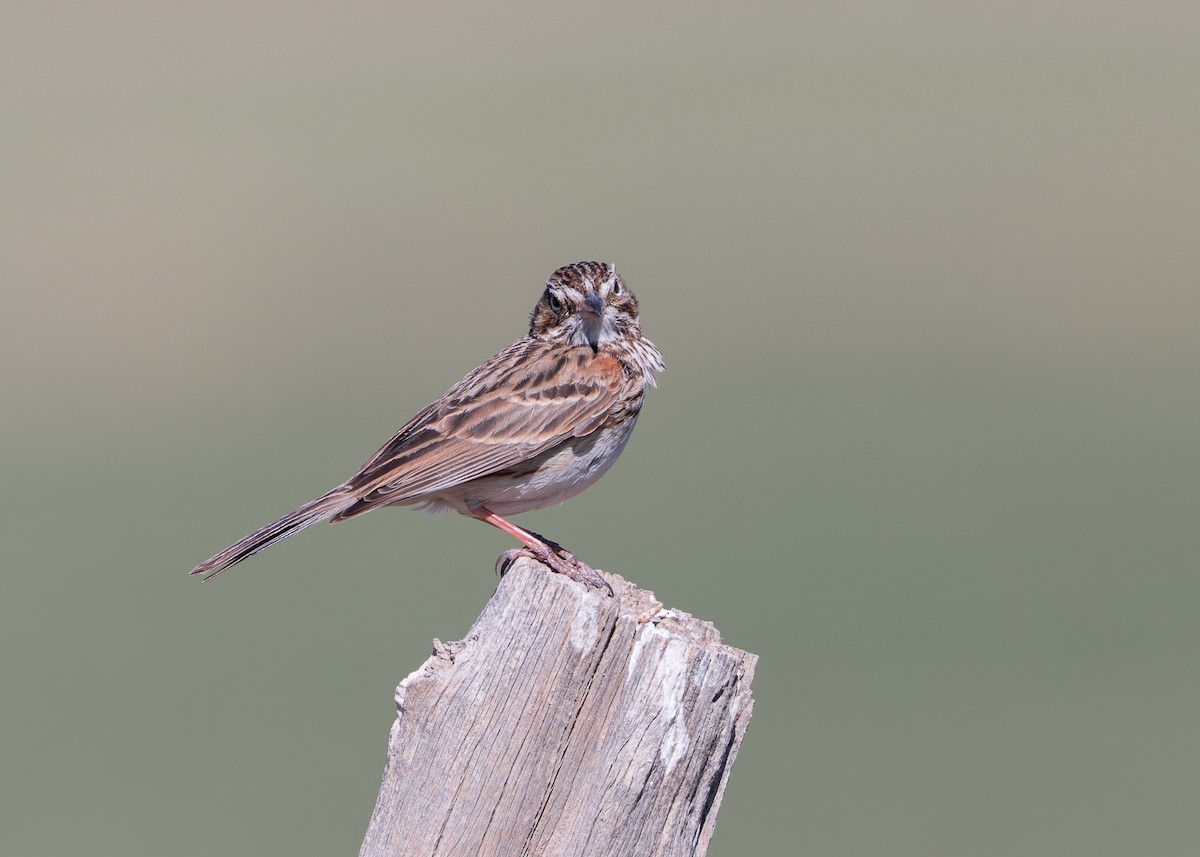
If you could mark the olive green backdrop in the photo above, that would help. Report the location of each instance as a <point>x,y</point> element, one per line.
<point>927,278</point>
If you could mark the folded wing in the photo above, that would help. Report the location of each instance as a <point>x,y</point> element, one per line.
<point>517,405</point>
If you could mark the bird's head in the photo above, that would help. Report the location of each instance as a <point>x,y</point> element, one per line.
<point>585,304</point>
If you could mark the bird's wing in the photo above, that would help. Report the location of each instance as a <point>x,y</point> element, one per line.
<point>523,401</point>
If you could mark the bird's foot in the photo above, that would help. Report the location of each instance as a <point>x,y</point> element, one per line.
<point>558,560</point>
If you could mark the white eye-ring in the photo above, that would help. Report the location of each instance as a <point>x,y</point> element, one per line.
<point>616,289</point>
<point>552,299</point>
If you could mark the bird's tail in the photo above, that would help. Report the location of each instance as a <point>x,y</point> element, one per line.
<point>321,509</point>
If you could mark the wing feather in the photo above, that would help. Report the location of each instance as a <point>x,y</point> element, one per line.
<point>525,400</point>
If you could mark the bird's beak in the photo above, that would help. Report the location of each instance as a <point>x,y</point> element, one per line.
<point>593,305</point>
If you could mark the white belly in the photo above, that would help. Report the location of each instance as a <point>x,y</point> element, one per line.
<point>554,476</point>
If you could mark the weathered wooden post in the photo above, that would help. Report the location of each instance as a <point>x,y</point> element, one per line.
<point>567,722</point>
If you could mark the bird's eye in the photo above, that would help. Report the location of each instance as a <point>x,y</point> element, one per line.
<point>617,288</point>
<point>553,300</point>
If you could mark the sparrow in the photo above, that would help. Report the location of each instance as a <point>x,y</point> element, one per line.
<point>533,426</point>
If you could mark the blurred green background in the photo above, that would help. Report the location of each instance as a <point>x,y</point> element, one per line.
<point>927,279</point>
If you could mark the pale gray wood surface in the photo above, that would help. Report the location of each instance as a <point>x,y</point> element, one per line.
<point>566,723</point>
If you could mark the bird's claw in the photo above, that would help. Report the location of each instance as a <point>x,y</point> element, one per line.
<point>558,560</point>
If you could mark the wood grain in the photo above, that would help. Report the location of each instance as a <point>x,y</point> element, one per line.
<point>567,722</point>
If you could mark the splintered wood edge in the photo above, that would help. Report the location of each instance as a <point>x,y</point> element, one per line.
<point>631,600</point>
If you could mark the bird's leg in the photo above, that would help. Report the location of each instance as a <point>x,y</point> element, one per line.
<point>556,547</point>
<point>542,549</point>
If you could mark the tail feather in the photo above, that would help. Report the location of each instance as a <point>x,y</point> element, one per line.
<point>319,510</point>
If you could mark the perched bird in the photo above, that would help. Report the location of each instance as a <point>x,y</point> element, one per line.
<point>531,427</point>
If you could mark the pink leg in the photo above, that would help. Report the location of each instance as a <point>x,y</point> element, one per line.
<point>543,550</point>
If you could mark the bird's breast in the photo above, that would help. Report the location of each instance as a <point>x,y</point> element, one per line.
<point>556,475</point>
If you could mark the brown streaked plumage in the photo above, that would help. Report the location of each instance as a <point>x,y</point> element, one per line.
<point>533,426</point>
